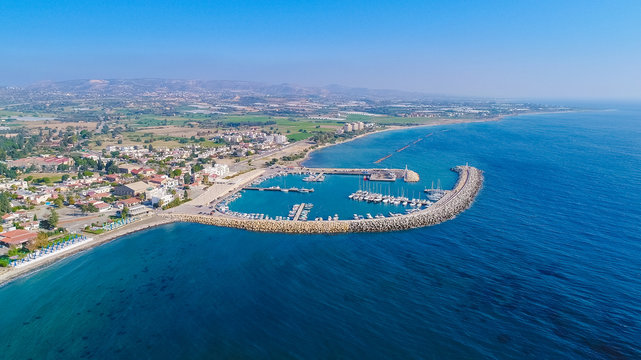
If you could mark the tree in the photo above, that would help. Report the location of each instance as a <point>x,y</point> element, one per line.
<point>65,177</point>
<point>176,173</point>
<point>35,217</point>
<point>5,203</point>
<point>124,212</point>
<point>53,218</point>
<point>42,240</point>
<point>185,195</point>
<point>187,179</point>
<point>58,202</point>
<point>71,200</point>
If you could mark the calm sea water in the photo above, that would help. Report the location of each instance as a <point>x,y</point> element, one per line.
<point>545,265</point>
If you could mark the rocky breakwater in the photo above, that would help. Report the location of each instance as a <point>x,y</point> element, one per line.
<point>454,202</point>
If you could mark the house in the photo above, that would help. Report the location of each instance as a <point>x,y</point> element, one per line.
<point>17,237</point>
<point>127,168</point>
<point>112,177</point>
<point>10,184</point>
<point>143,171</point>
<point>138,210</point>
<point>158,179</point>
<point>159,195</point>
<point>101,205</point>
<point>130,202</point>
<point>132,189</point>
<point>9,217</point>
<point>31,225</point>
<point>98,195</point>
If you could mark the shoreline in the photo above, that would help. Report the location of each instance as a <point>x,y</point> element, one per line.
<point>8,274</point>
<point>453,122</point>
<point>454,202</point>
<point>399,127</point>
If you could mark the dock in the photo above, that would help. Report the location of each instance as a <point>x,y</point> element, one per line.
<point>371,174</point>
<point>299,211</point>
<point>278,188</point>
<point>455,201</point>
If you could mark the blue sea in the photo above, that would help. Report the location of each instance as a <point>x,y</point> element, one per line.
<point>546,264</point>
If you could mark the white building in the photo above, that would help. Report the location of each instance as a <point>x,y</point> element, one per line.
<point>347,127</point>
<point>9,184</point>
<point>159,195</point>
<point>280,139</point>
<point>218,170</point>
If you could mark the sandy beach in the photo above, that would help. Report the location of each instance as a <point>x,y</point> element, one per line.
<point>8,274</point>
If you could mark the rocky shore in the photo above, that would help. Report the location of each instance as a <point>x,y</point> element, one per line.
<point>454,202</point>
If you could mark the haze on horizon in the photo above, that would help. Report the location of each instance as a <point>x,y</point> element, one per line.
<point>544,49</point>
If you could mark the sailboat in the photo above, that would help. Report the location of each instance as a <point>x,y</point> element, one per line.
<point>435,193</point>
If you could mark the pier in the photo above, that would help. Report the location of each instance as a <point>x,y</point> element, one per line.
<point>298,212</point>
<point>370,174</point>
<point>278,188</point>
<point>455,201</point>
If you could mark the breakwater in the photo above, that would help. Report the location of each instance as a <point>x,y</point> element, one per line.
<point>453,203</point>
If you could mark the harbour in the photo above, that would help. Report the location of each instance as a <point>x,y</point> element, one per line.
<point>469,183</point>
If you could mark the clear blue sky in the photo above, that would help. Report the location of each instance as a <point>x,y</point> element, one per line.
<point>526,48</point>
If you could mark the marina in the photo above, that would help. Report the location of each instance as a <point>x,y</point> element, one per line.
<point>423,213</point>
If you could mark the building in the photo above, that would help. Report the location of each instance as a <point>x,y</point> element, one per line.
<point>347,127</point>
<point>218,170</point>
<point>101,206</point>
<point>159,195</point>
<point>130,202</point>
<point>280,139</point>
<point>138,210</point>
<point>8,184</point>
<point>127,168</point>
<point>17,237</point>
<point>132,189</point>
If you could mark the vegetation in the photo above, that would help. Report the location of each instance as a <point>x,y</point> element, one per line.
<point>51,222</point>
<point>5,203</point>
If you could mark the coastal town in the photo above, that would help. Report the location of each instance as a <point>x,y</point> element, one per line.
<point>81,163</point>
<point>46,197</point>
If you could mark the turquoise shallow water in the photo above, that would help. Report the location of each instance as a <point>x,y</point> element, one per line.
<point>545,265</point>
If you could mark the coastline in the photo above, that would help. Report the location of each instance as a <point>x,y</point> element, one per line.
<point>442,123</point>
<point>9,274</point>
<point>454,202</point>
<point>399,127</point>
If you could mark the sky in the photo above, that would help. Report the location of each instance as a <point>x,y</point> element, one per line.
<point>492,48</point>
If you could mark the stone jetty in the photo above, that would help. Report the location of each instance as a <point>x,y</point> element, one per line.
<point>453,203</point>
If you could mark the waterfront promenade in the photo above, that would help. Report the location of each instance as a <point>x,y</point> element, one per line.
<point>455,201</point>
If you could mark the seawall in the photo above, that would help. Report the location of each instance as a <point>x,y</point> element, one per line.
<point>453,203</point>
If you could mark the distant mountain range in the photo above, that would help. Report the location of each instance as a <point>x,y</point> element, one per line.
<point>120,87</point>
